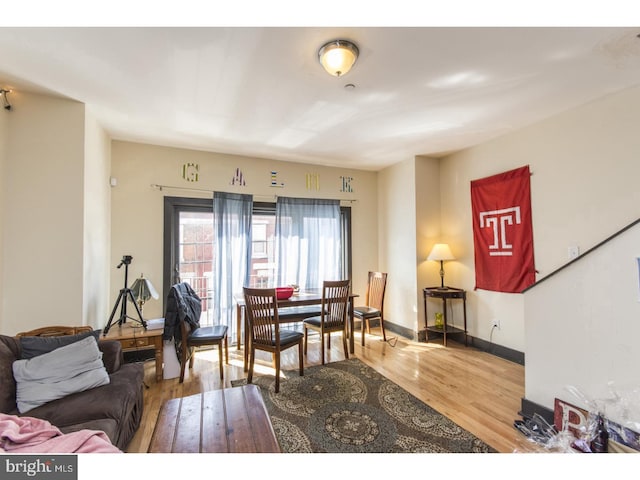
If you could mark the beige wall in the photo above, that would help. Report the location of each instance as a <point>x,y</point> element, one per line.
<point>582,329</point>
<point>409,206</point>
<point>583,188</point>
<point>42,225</point>
<point>97,223</point>
<point>397,211</point>
<point>428,231</point>
<point>457,172</point>
<point>4,134</point>
<point>137,208</point>
<point>55,162</point>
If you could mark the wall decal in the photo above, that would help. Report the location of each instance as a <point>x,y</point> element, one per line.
<point>274,180</point>
<point>238,178</point>
<point>190,172</point>
<point>346,184</point>
<point>313,181</point>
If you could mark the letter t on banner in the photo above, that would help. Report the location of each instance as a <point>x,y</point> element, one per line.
<point>503,232</point>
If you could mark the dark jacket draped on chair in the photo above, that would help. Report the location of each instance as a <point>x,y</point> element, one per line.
<point>182,304</point>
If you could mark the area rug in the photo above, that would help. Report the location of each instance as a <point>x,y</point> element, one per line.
<point>348,407</point>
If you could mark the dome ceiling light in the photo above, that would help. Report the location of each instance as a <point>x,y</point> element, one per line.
<point>338,56</point>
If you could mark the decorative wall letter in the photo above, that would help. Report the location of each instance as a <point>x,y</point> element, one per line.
<point>238,178</point>
<point>346,184</point>
<point>313,181</point>
<point>274,180</point>
<point>190,172</point>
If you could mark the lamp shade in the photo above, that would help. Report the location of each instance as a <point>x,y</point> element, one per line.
<point>143,290</point>
<point>338,56</point>
<point>440,252</point>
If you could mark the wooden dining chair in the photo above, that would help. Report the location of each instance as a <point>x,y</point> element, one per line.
<point>182,323</point>
<point>261,309</point>
<point>374,303</point>
<point>191,338</point>
<point>333,315</point>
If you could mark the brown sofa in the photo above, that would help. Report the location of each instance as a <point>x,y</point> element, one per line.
<point>115,408</point>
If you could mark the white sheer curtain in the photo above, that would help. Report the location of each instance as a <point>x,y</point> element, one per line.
<point>232,253</point>
<point>308,242</point>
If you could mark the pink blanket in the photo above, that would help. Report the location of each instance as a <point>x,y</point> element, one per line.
<point>33,435</point>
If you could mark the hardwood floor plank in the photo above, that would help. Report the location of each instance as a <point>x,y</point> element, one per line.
<point>478,391</point>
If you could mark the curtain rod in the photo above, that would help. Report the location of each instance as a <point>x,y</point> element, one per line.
<point>162,187</point>
<point>193,189</point>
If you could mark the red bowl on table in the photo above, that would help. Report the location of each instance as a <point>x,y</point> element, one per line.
<point>283,293</point>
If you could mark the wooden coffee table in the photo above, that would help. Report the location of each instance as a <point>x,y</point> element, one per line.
<point>231,420</point>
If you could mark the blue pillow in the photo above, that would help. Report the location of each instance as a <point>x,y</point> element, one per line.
<point>35,346</point>
<point>70,369</point>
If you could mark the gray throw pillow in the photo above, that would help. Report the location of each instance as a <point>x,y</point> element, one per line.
<point>34,346</point>
<point>73,368</point>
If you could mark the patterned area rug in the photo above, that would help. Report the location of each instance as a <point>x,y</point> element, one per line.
<point>349,407</point>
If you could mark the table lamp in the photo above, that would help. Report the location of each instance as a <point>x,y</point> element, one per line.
<point>143,290</point>
<point>439,253</point>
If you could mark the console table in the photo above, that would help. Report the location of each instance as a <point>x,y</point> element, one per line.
<point>134,338</point>
<point>445,293</point>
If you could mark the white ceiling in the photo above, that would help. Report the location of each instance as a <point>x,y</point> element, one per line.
<point>260,91</point>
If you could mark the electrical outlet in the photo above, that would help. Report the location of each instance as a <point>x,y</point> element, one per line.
<point>496,323</point>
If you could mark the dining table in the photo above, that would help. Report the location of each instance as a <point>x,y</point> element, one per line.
<point>300,305</point>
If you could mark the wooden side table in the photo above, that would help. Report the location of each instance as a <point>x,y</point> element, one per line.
<point>445,293</point>
<point>137,338</point>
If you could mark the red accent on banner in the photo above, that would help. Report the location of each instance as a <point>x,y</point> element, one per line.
<point>503,232</point>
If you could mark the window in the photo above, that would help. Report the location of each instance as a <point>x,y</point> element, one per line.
<point>262,269</point>
<point>189,247</point>
<point>195,247</point>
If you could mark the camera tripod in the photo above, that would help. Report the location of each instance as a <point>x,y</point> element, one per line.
<point>125,294</point>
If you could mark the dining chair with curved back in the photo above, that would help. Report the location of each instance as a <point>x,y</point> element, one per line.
<point>374,303</point>
<point>182,325</point>
<point>261,308</point>
<point>192,338</point>
<point>333,315</point>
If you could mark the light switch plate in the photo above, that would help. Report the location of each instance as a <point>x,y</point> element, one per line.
<point>573,252</point>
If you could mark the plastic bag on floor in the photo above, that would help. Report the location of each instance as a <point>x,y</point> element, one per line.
<point>171,364</point>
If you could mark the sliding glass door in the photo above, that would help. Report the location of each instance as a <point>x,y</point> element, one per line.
<point>188,249</point>
<point>190,246</point>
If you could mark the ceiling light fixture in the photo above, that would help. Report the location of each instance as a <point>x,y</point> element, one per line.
<point>338,56</point>
<point>5,100</point>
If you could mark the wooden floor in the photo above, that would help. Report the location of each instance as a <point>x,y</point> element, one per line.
<point>478,391</point>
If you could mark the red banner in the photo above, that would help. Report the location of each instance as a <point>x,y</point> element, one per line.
<point>502,231</point>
